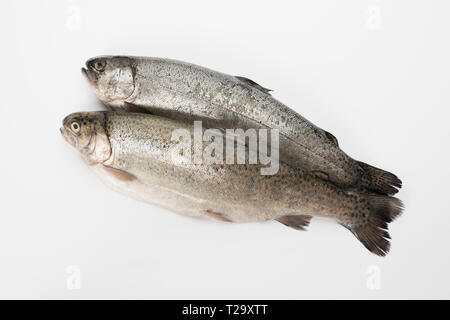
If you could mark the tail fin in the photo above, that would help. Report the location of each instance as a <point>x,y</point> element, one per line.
<point>372,231</point>
<point>381,181</point>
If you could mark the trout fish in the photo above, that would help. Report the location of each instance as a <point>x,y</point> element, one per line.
<point>136,154</point>
<point>186,91</point>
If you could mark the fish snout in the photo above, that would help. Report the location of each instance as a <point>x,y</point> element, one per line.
<point>90,75</point>
<point>84,71</point>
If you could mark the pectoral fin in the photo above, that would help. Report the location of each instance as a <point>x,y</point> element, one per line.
<point>298,222</point>
<point>254,84</point>
<point>120,174</point>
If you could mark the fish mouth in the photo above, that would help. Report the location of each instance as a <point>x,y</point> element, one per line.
<point>90,75</point>
<point>68,136</point>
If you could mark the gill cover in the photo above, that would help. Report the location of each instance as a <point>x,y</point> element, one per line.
<point>112,78</point>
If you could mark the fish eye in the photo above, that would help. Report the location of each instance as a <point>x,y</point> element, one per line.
<point>75,127</point>
<point>99,65</point>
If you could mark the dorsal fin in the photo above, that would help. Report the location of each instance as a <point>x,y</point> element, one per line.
<point>332,138</point>
<point>254,84</point>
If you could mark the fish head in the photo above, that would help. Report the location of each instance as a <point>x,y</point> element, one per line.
<point>86,132</point>
<point>111,77</point>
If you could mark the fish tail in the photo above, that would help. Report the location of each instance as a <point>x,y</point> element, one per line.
<point>370,224</point>
<point>381,181</point>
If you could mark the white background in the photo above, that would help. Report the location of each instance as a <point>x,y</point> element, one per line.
<point>374,73</point>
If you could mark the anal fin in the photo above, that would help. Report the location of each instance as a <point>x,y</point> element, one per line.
<point>297,222</point>
<point>254,84</point>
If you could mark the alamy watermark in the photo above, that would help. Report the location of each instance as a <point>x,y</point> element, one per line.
<point>373,17</point>
<point>373,281</point>
<point>73,281</point>
<point>73,21</point>
<point>190,150</point>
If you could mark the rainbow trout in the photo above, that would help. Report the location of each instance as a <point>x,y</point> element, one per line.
<point>185,91</point>
<point>139,155</point>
